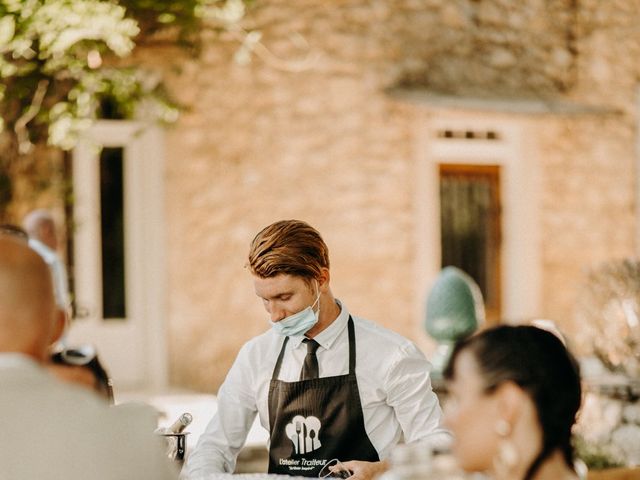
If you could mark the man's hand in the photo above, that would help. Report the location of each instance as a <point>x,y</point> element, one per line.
<point>365,470</point>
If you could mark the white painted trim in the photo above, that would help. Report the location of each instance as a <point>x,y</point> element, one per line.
<point>151,153</point>
<point>144,229</point>
<point>521,257</point>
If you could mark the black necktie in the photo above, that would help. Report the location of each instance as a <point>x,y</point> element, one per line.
<point>310,365</point>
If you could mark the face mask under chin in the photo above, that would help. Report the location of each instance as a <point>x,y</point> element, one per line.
<point>299,323</point>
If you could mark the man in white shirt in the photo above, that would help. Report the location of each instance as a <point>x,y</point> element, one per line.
<point>325,384</point>
<point>41,228</point>
<point>52,430</point>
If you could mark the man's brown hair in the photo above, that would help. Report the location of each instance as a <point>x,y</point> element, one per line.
<point>289,246</point>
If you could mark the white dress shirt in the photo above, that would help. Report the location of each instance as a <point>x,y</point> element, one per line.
<point>393,380</point>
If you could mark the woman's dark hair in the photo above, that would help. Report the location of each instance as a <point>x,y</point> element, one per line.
<point>538,362</point>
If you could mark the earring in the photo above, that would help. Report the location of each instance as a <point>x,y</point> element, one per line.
<point>502,428</point>
<point>506,458</point>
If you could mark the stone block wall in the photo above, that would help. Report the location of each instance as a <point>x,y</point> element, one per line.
<point>322,141</point>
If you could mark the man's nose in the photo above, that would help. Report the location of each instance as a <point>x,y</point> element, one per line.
<point>277,316</point>
<point>276,313</point>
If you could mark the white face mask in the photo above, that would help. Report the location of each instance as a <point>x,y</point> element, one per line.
<point>298,323</point>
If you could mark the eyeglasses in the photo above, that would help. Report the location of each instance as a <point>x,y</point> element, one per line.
<point>80,356</point>
<point>334,469</point>
<point>86,356</point>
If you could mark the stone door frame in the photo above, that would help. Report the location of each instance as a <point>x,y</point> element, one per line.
<point>477,138</point>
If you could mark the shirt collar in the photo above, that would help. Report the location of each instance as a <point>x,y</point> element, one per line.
<point>329,335</point>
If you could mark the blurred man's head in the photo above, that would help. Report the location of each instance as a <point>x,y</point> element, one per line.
<point>40,225</point>
<point>29,319</point>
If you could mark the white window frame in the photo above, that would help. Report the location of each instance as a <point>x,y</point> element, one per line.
<point>144,244</point>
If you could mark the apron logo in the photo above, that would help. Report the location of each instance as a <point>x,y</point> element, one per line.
<point>303,432</point>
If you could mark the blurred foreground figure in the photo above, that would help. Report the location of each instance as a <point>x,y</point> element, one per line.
<point>41,228</point>
<point>79,365</point>
<point>52,430</point>
<point>515,394</point>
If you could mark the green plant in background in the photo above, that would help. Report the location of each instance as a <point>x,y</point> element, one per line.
<point>61,66</point>
<point>596,456</point>
<point>609,315</point>
<point>455,309</point>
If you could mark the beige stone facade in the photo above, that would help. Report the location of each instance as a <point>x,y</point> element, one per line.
<point>334,125</point>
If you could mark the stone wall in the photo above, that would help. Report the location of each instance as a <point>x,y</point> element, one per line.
<point>590,163</point>
<point>609,420</point>
<point>587,207</point>
<point>310,132</point>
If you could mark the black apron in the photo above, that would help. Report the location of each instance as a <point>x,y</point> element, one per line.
<point>314,421</point>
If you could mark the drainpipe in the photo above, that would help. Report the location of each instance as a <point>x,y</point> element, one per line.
<point>637,172</point>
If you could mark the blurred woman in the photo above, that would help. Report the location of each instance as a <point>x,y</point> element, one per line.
<point>515,392</point>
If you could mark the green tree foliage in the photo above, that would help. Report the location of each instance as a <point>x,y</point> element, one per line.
<point>61,66</point>
<point>55,68</point>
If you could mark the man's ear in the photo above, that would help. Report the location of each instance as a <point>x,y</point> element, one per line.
<point>59,325</point>
<point>323,280</point>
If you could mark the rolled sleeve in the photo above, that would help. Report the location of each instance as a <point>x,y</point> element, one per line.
<point>412,398</point>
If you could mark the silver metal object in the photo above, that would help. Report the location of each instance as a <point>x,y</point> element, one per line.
<point>176,438</point>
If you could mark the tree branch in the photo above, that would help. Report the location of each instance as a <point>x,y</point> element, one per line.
<point>22,134</point>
